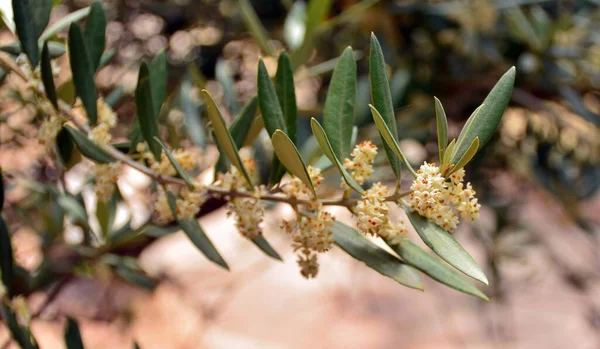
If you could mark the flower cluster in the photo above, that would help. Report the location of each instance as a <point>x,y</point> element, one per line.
<point>362,160</point>
<point>48,131</point>
<point>248,212</point>
<point>311,233</point>
<point>188,204</point>
<point>437,199</point>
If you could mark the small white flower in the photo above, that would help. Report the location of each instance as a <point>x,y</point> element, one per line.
<point>362,160</point>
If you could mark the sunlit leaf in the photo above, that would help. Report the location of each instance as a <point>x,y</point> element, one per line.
<point>88,148</point>
<point>467,156</point>
<point>413,255</point>
<point>289,156</point>
<point>83,72</point>
<point>483,123</point>
<point>446,246</point>
<point>255,26</point>
<point>382,100</point>
<point>223,136</point>
<point>389,139</point>
<point>376,258</point>
<point>294,26</point>
<point>327,149</point>
<point>338,114</point>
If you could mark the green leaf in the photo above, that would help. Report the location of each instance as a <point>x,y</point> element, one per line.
<point>316,13</point>
<point>180,171</point>
<point>191,109</point>
<point>66,92</point>
<point>20,334</point>
<point>72,335</point>
<point>31,18</point>
<point>467,156</point>
<point>338,115</point>
<point>271,112</point>
<point>95,33</point>
<point>115,96</point>
<point>284,86</point>
<point>483,123</point>
<point>442,128</point>
<point>289,156</point>
<point>88,148</point>
<point>327,149</point>
<point>449,151</point>
<point>136,277</point>
<point>382,100</point>
<point>194,232</point>
<point>6,258</point>
<point>83,72</point>
<point>47,77</point>
<point>56,49</point>
<point>147,114</point>
<point>413,255</point>
<point>257,126</point>
<point>1,190</point>
<point>65,149</point>
<point>255,26</point>
<point>264,246</point>
<point>389,140</point>
<point>446,246</point>
<point>224,76</point>
<point>239,131</point>
<point>376,258</point>
<point>74,208</point>
<point>223,136</point>
<point>158,80</point>
<point>64,22</point>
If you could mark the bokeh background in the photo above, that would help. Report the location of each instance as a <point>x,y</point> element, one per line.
<point>537,179</point>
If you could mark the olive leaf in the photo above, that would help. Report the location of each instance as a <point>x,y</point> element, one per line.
<point>146,109</point>
<point>376,258</point>
<point>446,246</point>
<point>176,165</point>
<point>88,148</point>
<point>83,71</point>
<point>6,258</point>
<point>483,123</point>
<point>327,149</point>
<point>95,33</point>
<point>73,335</point>
<point>48,77</point>
<point>31,18</point>
<point>442,128</point>
<point>224,137</point>
<point>289,156</point>
<point>382,100</point>
<point>158,80</point>
<point>284,87</point>
<point>338,114</point>
<point>467,156</point>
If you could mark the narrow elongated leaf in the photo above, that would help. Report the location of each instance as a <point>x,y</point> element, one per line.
<point>66,92</point>
<point>65,149</point>
<point>257,126</point>
<point>136,277</point>
<point>147,115</point>
<point>95,33</point>
<point>1,191</point>
<point>382,99</point>
<point>484,123</point>
<point>83,72</point>
<point>413,255</point>
<point>389,140</point>
<point>64,22</point>
<point>180,171</point>
<point>20,334</point>
<point>255,26</point>
<point>294,26</point>
<point>289,156</point>
<point>338,115</point>
<point>448,152</point>
<point>264,246</point>
<point>194,232</point>
<point>442,128</point>
<point>56,49</point>
<point>286,94</point>
<point>224,75</point>
<point>158,80</point>
<point>73,335</point>
<point>327,149</point>
<point>239,131</point>
<point>31,18</point>
<point>6,258</point>
<point>467,156</point>
<point>47,77</point>
<point>223,136</point>
<point>88,148</point>
<point>446,246</point>
<point>74,208</point>
<point>271,112</point>
<point>376,258</point>
<point>316,12</point>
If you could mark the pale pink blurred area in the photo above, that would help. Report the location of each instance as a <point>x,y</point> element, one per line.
<point>263,303</point>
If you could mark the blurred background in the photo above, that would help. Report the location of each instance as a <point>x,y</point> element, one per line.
<point>537,179</point>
